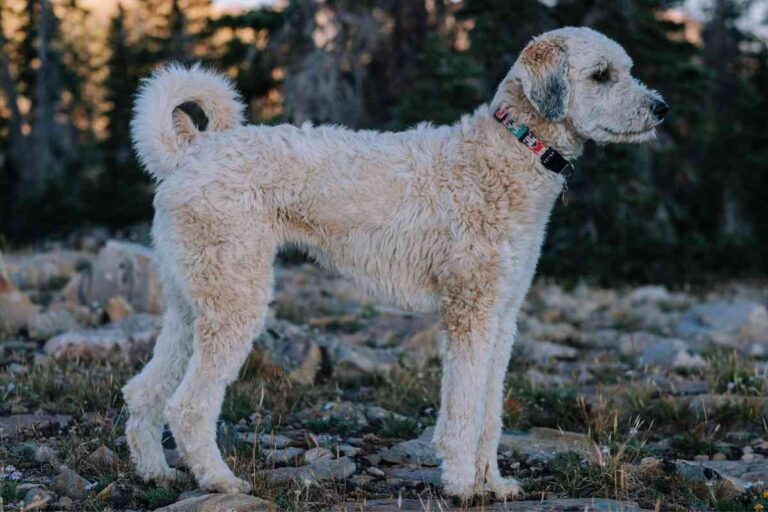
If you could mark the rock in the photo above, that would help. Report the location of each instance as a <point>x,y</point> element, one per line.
<point>414,474</point>
<point>37,498</point>
<point>126,270</point>
<point>554,505</point>
<point>291,348</point>
<point>46,455</point>
<point>12,426</point>
<point>219,503</point>
<point>361,480</point>
<point>288,455</point>
<point>274,441</point>
<point>118,309</point>
<point>71,484</point>
<point>730,324</point>
<point>102,458</point>
<point>358,416</point>
<point>45,270</point>
<point>543,443</point>
<point>47,325</point>
<point>671,353</point>
<point>542,351</point>
<point>130,339</point>
<point>64,503</point>
<point>741,474</point>
<point>415,451</point>
<point>374,471</point>
<point>649,293</point>
<point>318,453</point>
<point>16,310</point>
<point>704,405</point>
<point>319,471</point>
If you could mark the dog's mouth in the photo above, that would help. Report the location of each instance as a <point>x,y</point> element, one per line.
<point>630,133</point>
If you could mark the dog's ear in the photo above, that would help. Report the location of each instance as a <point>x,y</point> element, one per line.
<point>542,68</point>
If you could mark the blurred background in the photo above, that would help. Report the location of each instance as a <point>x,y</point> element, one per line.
<point>689,207</point>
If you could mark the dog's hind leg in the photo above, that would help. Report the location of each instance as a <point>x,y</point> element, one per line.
<point>147,393</point>
<point>470,323</point>
<point>230,278</point>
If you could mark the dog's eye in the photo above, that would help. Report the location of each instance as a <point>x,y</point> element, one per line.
<point>601,76</point>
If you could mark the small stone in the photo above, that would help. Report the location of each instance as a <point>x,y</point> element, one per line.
<point>414,451</point>
<point>373,471</point>
<point>46,455</point>
<point>118,309</point>
<point>103,458</point>
<point>719,456</point>
<point>70,483</point>
<point>348,450</point>
<point>51,323</point>
<point>36,499</point>
<point>315,454</point>
<point>65,503</point>
<point>361,480</point>
<point>288,455</point>
<point>275,441</point>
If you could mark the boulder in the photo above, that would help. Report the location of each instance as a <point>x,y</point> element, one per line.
<point>731,324</point>
<point>220,502</point>
<point>291,348</point>
<point>127,270</point>
<point>13,426</point>
<point>742,475</point>
<point>16,309</point>
<point>45,270</point>
<point>130,339</point>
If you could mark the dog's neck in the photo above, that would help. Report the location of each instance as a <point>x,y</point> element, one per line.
<point>560,136</point>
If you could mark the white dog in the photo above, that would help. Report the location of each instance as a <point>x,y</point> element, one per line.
<point>435,218</point>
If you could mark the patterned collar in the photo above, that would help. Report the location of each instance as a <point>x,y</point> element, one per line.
<point>549,158</point>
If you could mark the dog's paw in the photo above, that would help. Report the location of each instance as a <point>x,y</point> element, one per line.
<point>229,485</point>
<point>503,488</point>
<point>163,477</point>
<point>459,486</point>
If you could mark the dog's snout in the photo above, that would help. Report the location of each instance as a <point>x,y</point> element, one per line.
<point>659,108</point>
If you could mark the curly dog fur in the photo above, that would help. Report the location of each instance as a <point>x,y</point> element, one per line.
<point>445,218</point>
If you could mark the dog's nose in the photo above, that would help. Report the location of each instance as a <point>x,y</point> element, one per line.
<point>659,108</point>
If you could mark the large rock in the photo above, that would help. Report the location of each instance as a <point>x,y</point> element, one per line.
<point>219,503</point>
<point>415,451</point>
<point>731,324</point>
<point>127,270</point>
<point>132,339</point>
<point>51,323</point>
<point>554,505</point>
<point>16,310</point>
<point>292,348</point>
<point>542,443</point>
<point>670,353</point>
<point>45,270</point>
<point>319,471</point>
<point>13,426</point>
<point>740,474</point>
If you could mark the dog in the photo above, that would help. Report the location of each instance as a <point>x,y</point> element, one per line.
<point>448,219</point>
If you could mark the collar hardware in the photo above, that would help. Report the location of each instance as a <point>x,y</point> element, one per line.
<point>548,157</point>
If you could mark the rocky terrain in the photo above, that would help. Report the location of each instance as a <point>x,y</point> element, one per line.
<point>619,399</point>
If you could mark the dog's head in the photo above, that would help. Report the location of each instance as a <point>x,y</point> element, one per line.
<point>580,76</point>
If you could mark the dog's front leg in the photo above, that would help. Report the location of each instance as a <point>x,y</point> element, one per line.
<point>489,476</point>
<point>469,323</point>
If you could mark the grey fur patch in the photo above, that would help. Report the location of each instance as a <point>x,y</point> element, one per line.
<point>551,95</point>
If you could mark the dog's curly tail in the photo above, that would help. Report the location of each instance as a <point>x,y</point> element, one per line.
<point>161,131</point>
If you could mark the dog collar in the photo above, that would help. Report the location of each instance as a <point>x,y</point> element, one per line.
<point>549,158</point>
